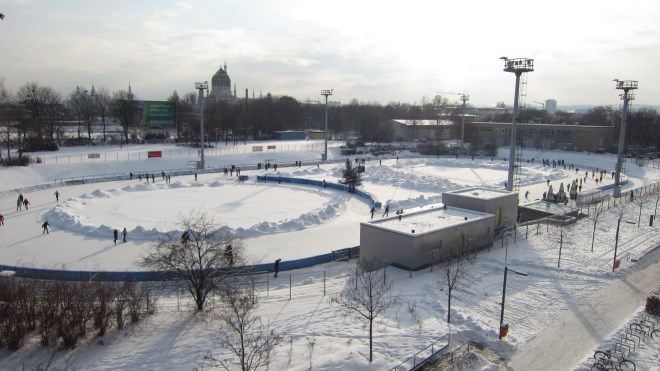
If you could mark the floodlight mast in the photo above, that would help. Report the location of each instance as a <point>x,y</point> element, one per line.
<point>464,99</point>
<point>201,86</point>
<point>518,66</point>
<point>326,93</point>
<point>626,86</point>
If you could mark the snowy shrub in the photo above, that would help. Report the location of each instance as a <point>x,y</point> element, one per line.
<point>101,306</point>
<point>73,313</point>
<point>653,303</point>
<point>16,305</point>
<point>47,312</point>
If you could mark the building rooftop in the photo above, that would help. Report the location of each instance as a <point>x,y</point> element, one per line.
<point>428,220</point>
<point>549,207</point>
<point>481,193</point>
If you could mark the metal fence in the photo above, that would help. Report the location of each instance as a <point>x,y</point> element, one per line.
<point>135,153</point>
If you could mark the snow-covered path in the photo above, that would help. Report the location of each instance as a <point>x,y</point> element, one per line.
<point>561,345</point>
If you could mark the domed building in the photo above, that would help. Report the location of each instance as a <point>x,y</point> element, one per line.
<point>221,86</point>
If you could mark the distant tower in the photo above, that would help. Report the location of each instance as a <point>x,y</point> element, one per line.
<point>221,86</point>
<point>130,95</point>
<point>551,106</point>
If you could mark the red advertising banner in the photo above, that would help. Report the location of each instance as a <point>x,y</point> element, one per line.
<point>153,154</point>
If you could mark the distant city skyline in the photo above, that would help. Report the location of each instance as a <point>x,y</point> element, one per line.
<point>372,51</point>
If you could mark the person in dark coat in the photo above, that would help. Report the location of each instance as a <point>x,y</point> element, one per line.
<point>373,210</point>
<point>26,203</point>
<point>387,211</point>
<point>276,267</point>
<point>2,220</point>
<point>115,235</point>
<point>45,227</point>
<point>124,233</point>
<point>57,196</point>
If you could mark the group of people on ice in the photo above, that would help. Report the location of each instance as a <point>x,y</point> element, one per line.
<point>115,235</point>
<point>22,202</point>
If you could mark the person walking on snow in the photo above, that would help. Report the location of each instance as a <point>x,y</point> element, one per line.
<point>387,211</point>
<point>276,267</point>
<point>26,203</point>
<point>57,196</point>
<point>2,220</point>
<point>19,204</point>
<point>124,233</point>
<point>373,210</point>
<point>115,235</point>
<point>44,227</point>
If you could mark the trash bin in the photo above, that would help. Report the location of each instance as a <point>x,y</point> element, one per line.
<point>504,330</point>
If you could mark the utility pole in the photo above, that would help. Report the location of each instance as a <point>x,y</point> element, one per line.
<point>201,86</point>
<point>626,86</point>
<point>326,93</point>
<point>518,66</point>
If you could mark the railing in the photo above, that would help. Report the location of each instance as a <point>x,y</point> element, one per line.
<point>424,354</point>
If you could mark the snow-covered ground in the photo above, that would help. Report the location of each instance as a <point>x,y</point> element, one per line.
<point>557,316</point>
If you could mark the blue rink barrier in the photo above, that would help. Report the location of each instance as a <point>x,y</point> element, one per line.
<point>317,183</point>
<point>69,275</point>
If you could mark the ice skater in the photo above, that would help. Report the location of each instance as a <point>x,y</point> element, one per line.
<point>387,211</point>
<point>44,227</point>
<point>276,267</point>
<point>123,234</point>
<point>115,235</point>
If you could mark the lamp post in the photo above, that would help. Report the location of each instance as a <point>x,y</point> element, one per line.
<point>326,93</point>
<point>201,86</point>
<point>626,86</point>
<point>518,66</point>
<point>464,99</point>
<point>616,241</point>
<point>506,270</point>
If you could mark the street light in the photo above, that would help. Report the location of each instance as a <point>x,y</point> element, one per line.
<point>464,99</point>
<point>616,241</point>
<point>506,269</point>
<point>517,66</point>
<point>201,86</point>
<point>326,93</point>
<point>626,86</point>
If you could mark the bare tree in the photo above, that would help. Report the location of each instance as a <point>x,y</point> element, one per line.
<point>84,105</point>
<point>594,216</point>
<point>640,199</point>
<point>368,294</point>
<point>451,272</point>
<point>44,105</point>
<point>199,256</point>
<point>122,107</point>
<point>560,236</point>
<point>103,103</point>
<point>251,343</point>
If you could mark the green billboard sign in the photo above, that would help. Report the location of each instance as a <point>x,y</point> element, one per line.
<point>158,113</point>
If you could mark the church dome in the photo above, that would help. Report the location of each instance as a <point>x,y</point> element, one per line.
<point>221,84</point>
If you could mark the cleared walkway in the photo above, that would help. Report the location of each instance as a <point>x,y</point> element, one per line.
<point>566,343</point>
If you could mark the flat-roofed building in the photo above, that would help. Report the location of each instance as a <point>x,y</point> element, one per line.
<point>542,136</point>
<point>418,239</point>
<point>501,203</point>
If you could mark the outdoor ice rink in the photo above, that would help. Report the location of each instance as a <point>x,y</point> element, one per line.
<point>274,220</point>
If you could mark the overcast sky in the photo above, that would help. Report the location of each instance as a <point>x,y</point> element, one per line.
<point>374,51</point>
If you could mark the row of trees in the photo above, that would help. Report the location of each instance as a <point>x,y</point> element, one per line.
<point>38,111</point>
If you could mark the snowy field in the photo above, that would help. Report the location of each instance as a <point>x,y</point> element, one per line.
<point>558,316</point>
